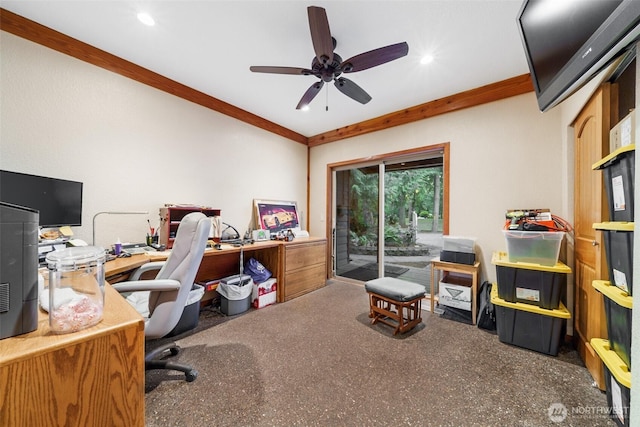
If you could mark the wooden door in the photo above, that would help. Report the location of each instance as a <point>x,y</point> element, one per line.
<point>591,141</point>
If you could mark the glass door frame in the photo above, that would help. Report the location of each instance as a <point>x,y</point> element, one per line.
<point>441,150</point>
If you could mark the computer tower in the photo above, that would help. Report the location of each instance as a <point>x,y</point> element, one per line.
<point>18,270</point>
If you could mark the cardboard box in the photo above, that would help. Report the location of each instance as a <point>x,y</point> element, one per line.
<point>624,133</point>
<point>455,291</point>
<point>264,293</point>
<point>459,244</point>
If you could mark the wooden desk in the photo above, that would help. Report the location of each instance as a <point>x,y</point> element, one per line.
<point>93,377</point>
<point>471,270</point>
<point>119,269</point>
<point>299,266</point>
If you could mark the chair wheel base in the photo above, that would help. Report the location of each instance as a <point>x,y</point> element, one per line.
<point>155,359</point>
<point>191,375</point>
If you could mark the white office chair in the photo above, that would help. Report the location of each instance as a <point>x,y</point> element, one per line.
<point>168,292</point>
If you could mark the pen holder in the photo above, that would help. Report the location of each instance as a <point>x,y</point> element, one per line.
<point>152,240</point>
<point>76,288</point>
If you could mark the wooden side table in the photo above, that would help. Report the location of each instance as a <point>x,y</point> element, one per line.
<point>471,270</point>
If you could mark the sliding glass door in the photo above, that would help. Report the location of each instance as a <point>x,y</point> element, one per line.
<point>357,225</point>
<point>395,235</point>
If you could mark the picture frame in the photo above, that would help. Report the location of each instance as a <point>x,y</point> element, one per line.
<point>276,215</point>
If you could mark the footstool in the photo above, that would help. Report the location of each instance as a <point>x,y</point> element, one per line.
<point>395,302</point>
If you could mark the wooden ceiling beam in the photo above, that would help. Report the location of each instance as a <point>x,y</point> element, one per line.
<point>45,36</point>
<point>493,92</point>
<point>37,33</point>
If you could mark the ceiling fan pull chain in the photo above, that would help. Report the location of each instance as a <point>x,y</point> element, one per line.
<point>326,108</point>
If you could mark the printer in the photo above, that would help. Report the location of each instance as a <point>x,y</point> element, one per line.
<point>18,270</point>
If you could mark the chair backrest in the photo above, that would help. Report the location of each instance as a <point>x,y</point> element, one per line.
<point>165,308</point>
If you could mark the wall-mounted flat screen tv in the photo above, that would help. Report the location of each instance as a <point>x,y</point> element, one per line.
<point>59,201</point>
<point>567,42</point>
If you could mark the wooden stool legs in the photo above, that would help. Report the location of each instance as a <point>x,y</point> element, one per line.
<point>403,316</point>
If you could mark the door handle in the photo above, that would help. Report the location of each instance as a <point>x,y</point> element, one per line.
<point>594,243</point>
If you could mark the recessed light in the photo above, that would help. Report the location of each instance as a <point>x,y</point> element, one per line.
<point>146,19</point>
<point>426,59</point>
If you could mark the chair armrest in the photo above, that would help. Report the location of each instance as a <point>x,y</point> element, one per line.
<point>147,285</point>
<point>150,266</point>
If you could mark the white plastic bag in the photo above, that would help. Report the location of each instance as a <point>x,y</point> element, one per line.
<point>195,295</point>
<point>235,292</point>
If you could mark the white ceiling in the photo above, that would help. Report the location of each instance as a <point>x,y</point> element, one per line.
<point>209,46</point>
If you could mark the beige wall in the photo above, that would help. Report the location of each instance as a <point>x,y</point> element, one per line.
<point>134,147</point>
<point>503,155</point>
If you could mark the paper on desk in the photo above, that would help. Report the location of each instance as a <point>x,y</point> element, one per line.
<point>158,254</point>
<point>215,227</point>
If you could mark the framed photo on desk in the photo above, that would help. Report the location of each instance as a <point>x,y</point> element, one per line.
<point>276,215</point>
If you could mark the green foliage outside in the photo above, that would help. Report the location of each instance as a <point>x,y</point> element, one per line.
<point>406,191</point>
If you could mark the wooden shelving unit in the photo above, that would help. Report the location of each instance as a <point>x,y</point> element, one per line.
<point>170,217</point>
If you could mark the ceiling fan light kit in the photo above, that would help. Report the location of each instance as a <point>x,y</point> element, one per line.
<point>328,65</point>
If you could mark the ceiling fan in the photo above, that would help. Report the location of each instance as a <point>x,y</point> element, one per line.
<point>328,65</point>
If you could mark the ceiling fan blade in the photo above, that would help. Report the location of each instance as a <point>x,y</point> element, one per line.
<point>352,90</point>
<point>320,34</point>
<point>281,70</point>
<point>375,57</point>
<point>310,94</point>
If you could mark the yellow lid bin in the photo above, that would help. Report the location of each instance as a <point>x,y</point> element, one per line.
<point>618,245</point>
<point>537,284</point>
<point>529,326</point>
<point>617,306</point>
<point>618,381</point>
<point>618,170</point>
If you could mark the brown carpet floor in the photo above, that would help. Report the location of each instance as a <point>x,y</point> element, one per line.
<point>317,361</point>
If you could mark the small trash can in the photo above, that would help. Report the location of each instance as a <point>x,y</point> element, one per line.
<point>235,294</point>
<point>191,313</point>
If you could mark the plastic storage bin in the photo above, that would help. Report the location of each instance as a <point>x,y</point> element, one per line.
<point>529,326</point>
<point>458,257</point>
<point>617,306</point>
<point>455,291</point>
<point>618,382</point>
<point>459,244</point>
<point>619,174</point>
<point>540,285</point>
<point>264,293</point>
<point>536,247</point>
<point>618,244</point>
